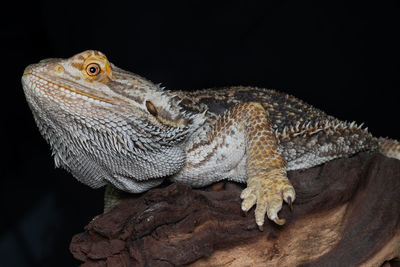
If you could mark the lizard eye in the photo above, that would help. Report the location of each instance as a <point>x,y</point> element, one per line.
<point>93,69</point>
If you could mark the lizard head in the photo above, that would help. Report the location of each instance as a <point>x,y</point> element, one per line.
<point>114,120</point>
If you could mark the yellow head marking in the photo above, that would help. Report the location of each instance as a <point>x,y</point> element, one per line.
<point>93,65</point>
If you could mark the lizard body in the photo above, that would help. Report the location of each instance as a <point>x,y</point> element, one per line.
<point>109,126</point>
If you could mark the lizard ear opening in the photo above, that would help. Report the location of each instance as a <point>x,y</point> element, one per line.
<point>151,108</point>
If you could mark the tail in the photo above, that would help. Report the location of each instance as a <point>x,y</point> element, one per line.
<point>389,147</point>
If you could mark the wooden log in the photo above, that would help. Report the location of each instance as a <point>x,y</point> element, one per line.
<point>347,213</point>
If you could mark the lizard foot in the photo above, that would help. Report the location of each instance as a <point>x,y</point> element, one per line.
<point>268,195</point>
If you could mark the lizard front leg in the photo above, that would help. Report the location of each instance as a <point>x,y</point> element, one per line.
<point>241,145</point>
<point>267,183</point>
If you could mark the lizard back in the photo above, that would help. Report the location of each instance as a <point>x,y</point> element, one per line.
<point>307,135</point>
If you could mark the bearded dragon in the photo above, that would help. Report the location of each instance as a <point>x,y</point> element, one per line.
<point>106,125</point>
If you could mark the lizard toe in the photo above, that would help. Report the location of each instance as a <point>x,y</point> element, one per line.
<point>249,202</point>
<point>289,195</point>
<point>274,206</point>
<point>247,192</point>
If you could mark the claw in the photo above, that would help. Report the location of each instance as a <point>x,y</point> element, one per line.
<point>289,197</point>
<point>290,203</point>
<point>279,221</point>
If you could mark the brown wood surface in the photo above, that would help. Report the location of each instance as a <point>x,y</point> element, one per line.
<point>347,213</point>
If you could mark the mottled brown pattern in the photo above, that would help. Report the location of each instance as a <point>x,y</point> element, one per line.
<point>284,110</point>
<point>77,65</point>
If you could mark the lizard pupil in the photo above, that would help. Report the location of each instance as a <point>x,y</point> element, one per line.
<point>93,69</point>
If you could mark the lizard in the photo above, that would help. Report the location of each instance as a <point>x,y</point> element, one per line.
<point>108,126</point>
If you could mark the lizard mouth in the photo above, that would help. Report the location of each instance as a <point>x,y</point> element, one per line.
<point>31,79</point>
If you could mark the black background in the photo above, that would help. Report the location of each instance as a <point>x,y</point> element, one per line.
<point>342,60</point>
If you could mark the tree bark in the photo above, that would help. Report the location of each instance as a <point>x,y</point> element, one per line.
<point>347,213</point>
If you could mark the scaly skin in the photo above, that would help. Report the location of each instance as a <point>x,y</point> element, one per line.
<point>109,126</point>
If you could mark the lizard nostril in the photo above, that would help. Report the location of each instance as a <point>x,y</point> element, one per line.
<point>59,69</point>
